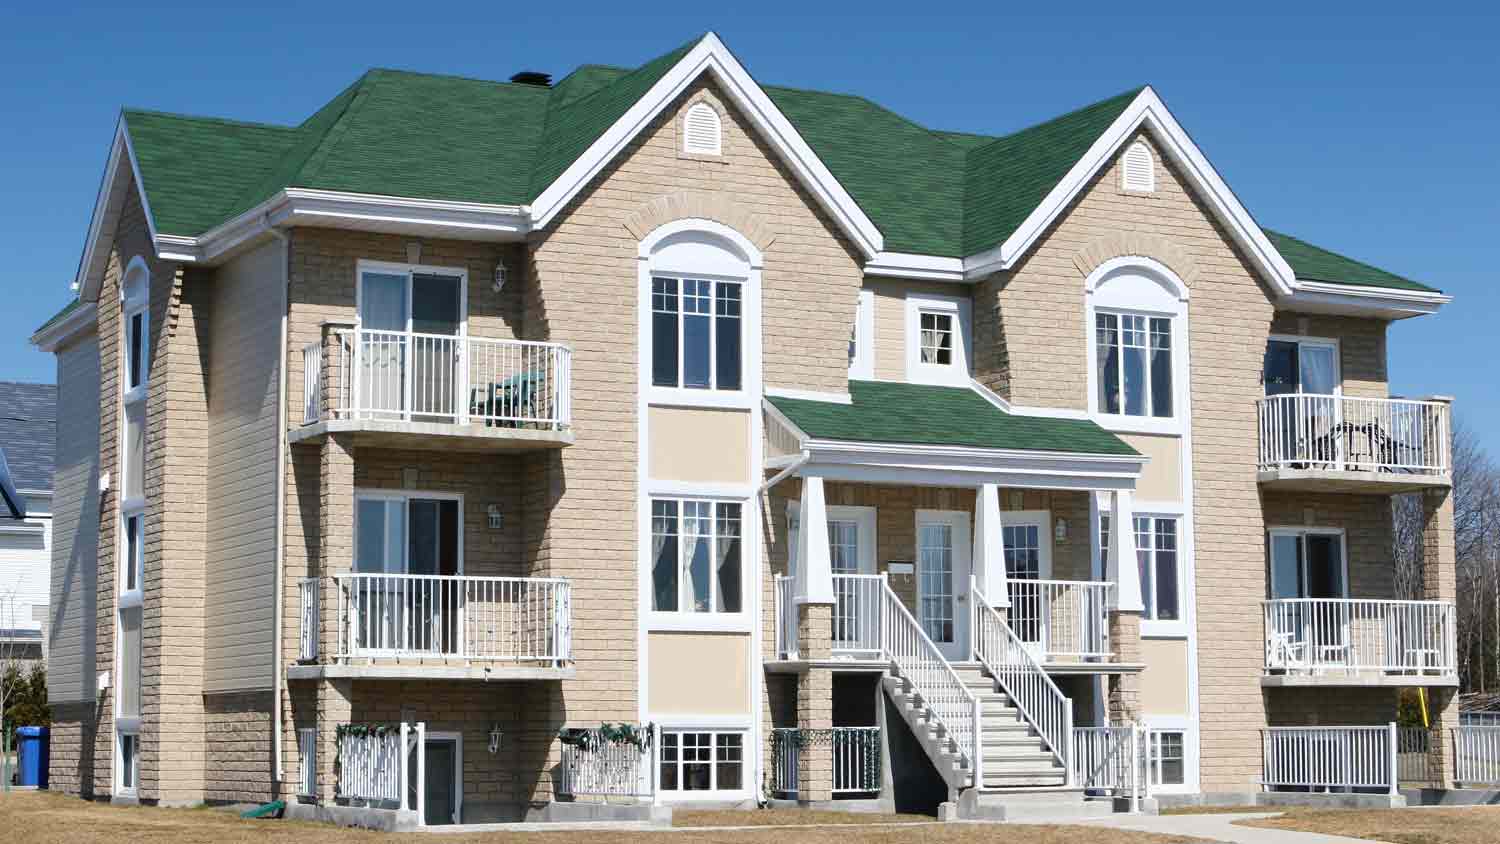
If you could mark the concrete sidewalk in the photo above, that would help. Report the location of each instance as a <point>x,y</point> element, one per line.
<point>1217,828</point>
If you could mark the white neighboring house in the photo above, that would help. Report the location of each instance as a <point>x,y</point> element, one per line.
<point>28,434</point>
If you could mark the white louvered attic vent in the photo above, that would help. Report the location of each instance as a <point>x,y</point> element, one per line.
<point>1136,171</point>
<point>700,130</point>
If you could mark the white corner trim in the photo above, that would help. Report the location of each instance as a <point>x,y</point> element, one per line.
<point>810,395</point>
<point>83,319</point>
<point>1050,412</point>
<point>86,280</point>
<point>710,55</point>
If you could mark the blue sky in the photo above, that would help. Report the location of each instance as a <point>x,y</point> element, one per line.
<point>1370,133</point>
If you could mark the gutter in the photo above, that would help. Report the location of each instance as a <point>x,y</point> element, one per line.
<point>278,589</point>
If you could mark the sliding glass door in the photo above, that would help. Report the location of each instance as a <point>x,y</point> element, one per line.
<point>397,536</point>
<point>411,343</point>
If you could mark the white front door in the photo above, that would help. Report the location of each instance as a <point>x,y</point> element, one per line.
<point>943,580</point>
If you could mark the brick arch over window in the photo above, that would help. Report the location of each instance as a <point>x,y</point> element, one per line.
<point>1135,244</point>
<point>684,205</point>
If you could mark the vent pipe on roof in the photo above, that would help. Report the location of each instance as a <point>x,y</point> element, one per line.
<point>533,77</point>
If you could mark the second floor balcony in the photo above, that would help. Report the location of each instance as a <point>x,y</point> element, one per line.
<point>1359,642</point>
<point>1336,443</point>
<point>407,389</point>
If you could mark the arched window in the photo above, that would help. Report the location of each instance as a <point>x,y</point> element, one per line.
<point>1137,312</point>
<point>1137,172</point>
<point>701,130</point>
<point>702,279</point>
<point>135,354</point>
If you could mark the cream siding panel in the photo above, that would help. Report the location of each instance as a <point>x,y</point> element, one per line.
<point>699,674</point>
<point>240,557</point>
<point>1161,480</point>
<point>704,446</point>
<point>75,527</point>
<point>25,568</point>
<point>1164,684</point>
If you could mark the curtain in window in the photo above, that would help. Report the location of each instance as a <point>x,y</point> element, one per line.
<point>728,564</point>
<point>664,563</point>
<point>1107,350</point>
<point>1161,367</point>
<point>698,531</point>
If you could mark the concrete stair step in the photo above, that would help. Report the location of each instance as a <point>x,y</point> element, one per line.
<point>1004,760</point>
<point>1021,779</point>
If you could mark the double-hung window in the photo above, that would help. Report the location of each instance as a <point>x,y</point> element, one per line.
<point>1168,757</point>
<point>702,760</point>
<point>1156,553</point>
<point>1134,364</point>
<point>696,333</point>
<point>695,556</point>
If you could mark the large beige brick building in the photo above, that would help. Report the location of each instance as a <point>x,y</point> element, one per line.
<point>842,458</point>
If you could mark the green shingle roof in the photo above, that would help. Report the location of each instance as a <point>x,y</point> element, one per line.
<point>1312,263</point>
<point>923,414</point>
<point>397,133</point>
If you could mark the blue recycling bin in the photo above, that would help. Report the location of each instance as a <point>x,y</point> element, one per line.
<point>33,750</point>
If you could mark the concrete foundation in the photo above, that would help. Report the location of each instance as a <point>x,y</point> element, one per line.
<point>1281,798</point>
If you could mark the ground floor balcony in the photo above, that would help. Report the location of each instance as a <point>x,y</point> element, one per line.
<point>410,390</point>
<point>1336,443</point>
<point>1359,642</point>
<point>415,626</point>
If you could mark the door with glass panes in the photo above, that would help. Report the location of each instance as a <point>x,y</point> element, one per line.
<point>1307,424</point>
<point>401,601</point>
<point>1307,566</point>
<point>1028,562</point>
<point>411,344</point>
<point>943,580</point>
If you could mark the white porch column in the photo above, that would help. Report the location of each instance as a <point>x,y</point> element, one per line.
<point>1123,570</point>
<point>989,546</point>
<point>814,576</point>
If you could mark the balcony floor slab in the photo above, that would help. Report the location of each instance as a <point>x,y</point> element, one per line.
<point>1365,680</point>
<point>492,673</point>
<point>1329,480</point>
<point>434,436</point>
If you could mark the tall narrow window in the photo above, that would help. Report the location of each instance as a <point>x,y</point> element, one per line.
<point>695,556</point>
<point>134,546</point>
<point>1156,554</point>
<point>1133,364</point>
<point>136,352</point>
<point>696,337</point>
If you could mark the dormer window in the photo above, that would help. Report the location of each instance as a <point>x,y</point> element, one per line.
<point>1137,172</point>
<point>937,339</point>
<point>701,131</point>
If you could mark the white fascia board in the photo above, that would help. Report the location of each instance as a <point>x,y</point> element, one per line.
<point>1149,111</point>
<point>82,320</point>
<point>909,265</point>
<point>810,395</point>
<point>1323,297</point>
<point>96,243</point>
<point>712,56</point>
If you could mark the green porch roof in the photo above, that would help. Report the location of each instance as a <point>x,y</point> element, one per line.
<point>397,133</point>
<point>924,414</point>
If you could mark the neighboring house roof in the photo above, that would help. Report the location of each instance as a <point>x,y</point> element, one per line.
<point>924,414</point>
<point>412,135</point>
<point>28,432</point>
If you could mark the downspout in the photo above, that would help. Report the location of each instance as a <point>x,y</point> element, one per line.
<point>281,457</point>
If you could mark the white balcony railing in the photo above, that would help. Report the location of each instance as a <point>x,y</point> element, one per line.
<point>307,590</point>
<point>409,376</point>
<point>1348,637</point>
<point>609,769</point>
<point>312,382</point>
<point>1476,753</point>
<point>1062,619</point>
<point>785,594</point>
<point>373,763</point>
<point>1339,433</point>
<point>1021,676</point>
<point>1330,757</point>
<point>1112,759</point>
<point>514,619</point>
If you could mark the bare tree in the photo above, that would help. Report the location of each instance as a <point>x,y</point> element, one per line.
<point>1476,522</point>
<point>11,676</point>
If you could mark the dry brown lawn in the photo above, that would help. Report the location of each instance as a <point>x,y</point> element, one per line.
<point>1476,825</point>
<point>47,818</point>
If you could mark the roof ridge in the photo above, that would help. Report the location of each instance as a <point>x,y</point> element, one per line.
<point>314,162</point>
<point>1133,92</point>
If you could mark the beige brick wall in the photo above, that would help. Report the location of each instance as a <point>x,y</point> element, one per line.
<point>71,763</point>
<point>1362,348</point>
<point>237,744</point>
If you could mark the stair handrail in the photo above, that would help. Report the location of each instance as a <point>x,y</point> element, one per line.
<point>1023,679</point>
<point>916,656</point>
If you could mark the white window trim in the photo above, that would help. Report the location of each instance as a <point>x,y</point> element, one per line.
<point>365,265</point>
<point>955,374</point>
<point>713,620</point>
<point>126,727</point>
<point>1189,730</point>
<point>1332,342</point>
<point>734,258</point>
<point>1163,628</point>
<point>865,518</point>
<point>716,726</point>
<point>135,298</point>
<point>713,331</point>
<point>1171,301</point>
<point>127,598</point>
<point>405,496</point>
<point>1301,532</point>
<point>863,365</point>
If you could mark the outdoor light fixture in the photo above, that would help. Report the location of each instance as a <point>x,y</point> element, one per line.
<point>495,735</point>
<point>499,277</point>
<point>1060,530</point>
<point>496,520</point>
